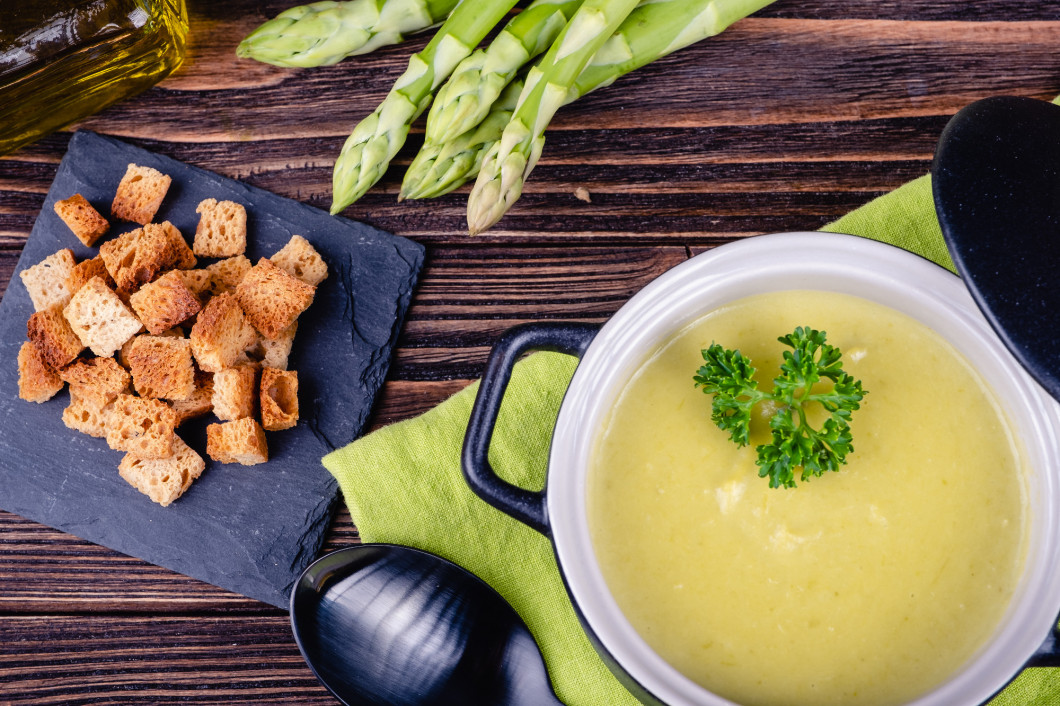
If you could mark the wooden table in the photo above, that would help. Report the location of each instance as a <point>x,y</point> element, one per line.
<point>785,122</point>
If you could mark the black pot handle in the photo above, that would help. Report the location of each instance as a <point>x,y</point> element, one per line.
<point>524,505</point>
<point>1048,655</point>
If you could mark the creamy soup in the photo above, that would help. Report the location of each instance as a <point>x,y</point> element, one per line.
<point>866,586</point>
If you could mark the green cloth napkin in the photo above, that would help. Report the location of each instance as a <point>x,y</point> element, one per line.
<point>403,485</point>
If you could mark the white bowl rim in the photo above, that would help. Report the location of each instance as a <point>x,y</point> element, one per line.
<point>820,261</point>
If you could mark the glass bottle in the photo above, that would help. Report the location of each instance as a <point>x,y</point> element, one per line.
<point>61,60</point>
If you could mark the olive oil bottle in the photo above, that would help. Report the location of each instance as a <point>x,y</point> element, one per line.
<point>61,60</point>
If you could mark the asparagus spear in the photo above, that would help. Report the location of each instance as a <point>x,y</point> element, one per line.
<point>506,165</point>
<point>376,140</point>
<point>441,167</point>
<point>652,30</point>
<point>324,33</point>
<point>466,97</point>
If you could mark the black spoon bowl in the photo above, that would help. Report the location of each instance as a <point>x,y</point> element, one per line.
<point>386,625</point>
<point>996,183</point>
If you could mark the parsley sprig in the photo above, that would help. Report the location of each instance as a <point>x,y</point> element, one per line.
<point>729,376</point>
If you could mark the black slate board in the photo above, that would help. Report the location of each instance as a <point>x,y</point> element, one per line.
<point>249,529</point>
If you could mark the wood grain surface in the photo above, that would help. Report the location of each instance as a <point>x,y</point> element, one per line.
<point>785,122</point>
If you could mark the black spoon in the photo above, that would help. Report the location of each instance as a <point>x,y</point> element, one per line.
<point>996,182</point>
<point>385,625</point>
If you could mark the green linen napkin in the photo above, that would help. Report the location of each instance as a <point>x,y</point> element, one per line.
<point>403,484</point>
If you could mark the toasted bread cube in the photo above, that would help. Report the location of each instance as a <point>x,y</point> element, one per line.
<point>274,353</point>
<point>272,299</point>
<point>220,334</point>
<point>86,270</point>
<point>139,194</point>
<point>135,258</point>
<point>235,392</point>
<point>96,380</point>
<point>241,441</point>
<point>87,416</point>
<point>161,366</point>
<point>300,259</point>
<point>46,281</point>
<point>184,258</point>
<point>123,352</point>
<point>142,427</point>
<point>200,402</point>
<point>37,382</point>
<point>80,217</point>
<point>164,303</point>
<point>164,479</point>
<point>225,275</point>
<point>99,318</point>
<point>55,340</point>
<point>222,230</point>
<point>279,399</point>
<point>198,283</point>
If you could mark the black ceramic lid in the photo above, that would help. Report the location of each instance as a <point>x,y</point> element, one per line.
<point>996,183</point>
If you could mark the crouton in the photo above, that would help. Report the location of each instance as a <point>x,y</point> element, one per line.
<point>123,352</point>
<point>137,257</point>
<point>161,366</point>
<point>54,338</point>
<point>222,230</point>
<point>166,479</point>
<point>80,217</point>
<point>141,427</point>
<point>220,334</point>
<point>274,353</point>
<point>185,258</point>
<point>86,270</point>
<point>96,380</point>
<point>164,303</point>
<point>139,194</point>
<point>99,318</point>
<point>235,392</point>
<point>87,417</point>
<point>300,259</point>
<point>279,399</point>
<point>197,282</point>
<point>225,275</point>
<point>46,281</point>
<point>272,299</point>
<point>36,381</point>
<point>241,441</point>
<point>200,402</point>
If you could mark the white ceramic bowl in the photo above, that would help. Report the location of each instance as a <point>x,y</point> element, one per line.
<point>818,261</point>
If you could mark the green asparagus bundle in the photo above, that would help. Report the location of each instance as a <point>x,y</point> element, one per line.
<point>376,140</point>
<point>324,33</point>
<point>651,31</point>
<point>465,99</point>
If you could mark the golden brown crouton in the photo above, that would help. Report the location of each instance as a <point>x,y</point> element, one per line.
<point>96,380</point>
<point>87,417</point>
<point>164,303</point>
<point>241,441</point>
<point>220,334</point>
<point>185,258</point>
<point>139,194</point>
<point>86,270</point>
<point>36,381</point>
<point>85,221</point>
<point>99,318</point>
<point>279,399</point>
<point>199,403</point>
<point>225,275</point>
<point>197,282</point>
<point>272,299</point>
<point>235,392</point>
<point>55,340</point>
<point>161,366</point>
<point>274,353</point>
<point>137,257</point>
<point>46,281</point>
<point>300,259</point>
<point>222,230</point>
<point>163,480</point>
<point>142,427</point>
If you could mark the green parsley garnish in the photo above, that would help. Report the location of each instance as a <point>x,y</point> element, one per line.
<point>729,376</point>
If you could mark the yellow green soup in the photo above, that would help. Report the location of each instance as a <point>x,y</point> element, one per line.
<point>867,586</point>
